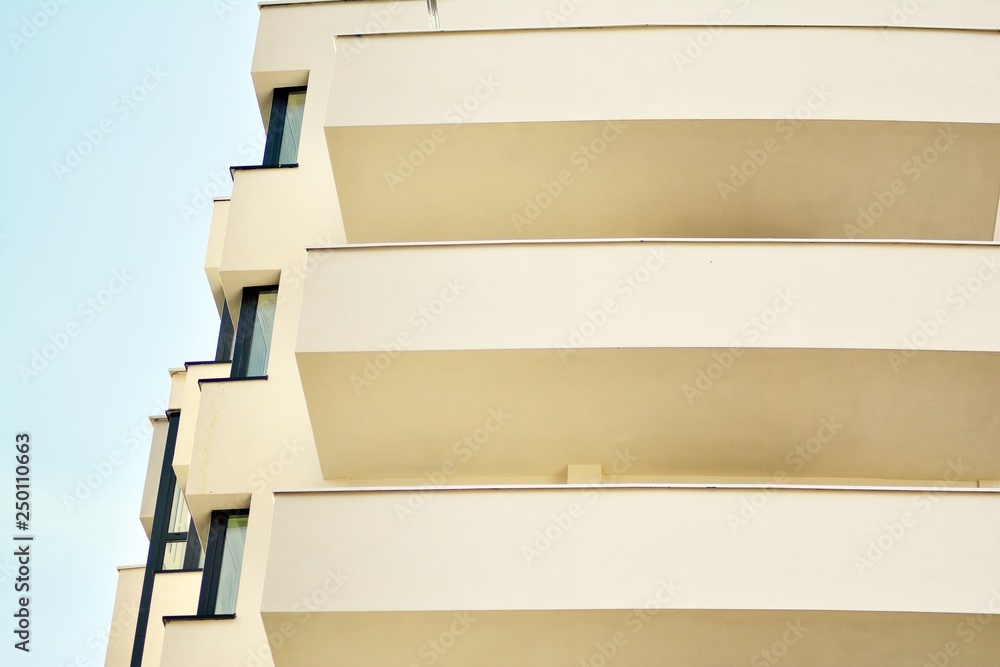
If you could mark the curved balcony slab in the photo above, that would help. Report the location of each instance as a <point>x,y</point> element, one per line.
<point>795,132</point>
<point>549,576</point>
<point>700,359</point>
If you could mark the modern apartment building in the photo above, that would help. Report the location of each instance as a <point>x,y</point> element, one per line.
<point>594,332</point>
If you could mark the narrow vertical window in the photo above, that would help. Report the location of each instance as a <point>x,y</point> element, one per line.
<point>227,336</point>
<point>223,563</point>
<point>253,335</point>
<point>231,565</point>
<point>291,130</point>
<point>284,129</point>
<point>263,326</point>
<point>180,546</point>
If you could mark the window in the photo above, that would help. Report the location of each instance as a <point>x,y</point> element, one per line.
<point>176,535</point>
<point>220,581</point>
<point>253,335</point>
<point>227,336</point>
<point>284,127</point>
<point>169,547</point>
<point>181,550</point>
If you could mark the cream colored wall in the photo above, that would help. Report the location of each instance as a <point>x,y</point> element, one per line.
<point>174,594</point>
<point>477,14</point>
<point>704,412</point>
<point>657,634</point>
<point>686,179</point>
<point>763,132</point>
<point>275,213</point>
<point>253,435</point>
<point>147,505</point>
<point>668,179</point>
<point>250,438</point>
<point>290,37</point>
<point>296,39</point>
<point>177,378</point>
<point>190,407</point>
<point>240,642</point>
<point>213,251</point>
<point>753,72</point>
<point>651,294</point>
<point>603,548</point>
<point>591,348</point>
<point>123,618</point>
<point>480,14</point>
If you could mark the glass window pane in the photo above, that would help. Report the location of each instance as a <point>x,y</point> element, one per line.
<point>260,344</point>
<point>180,517</point>
<point>232,564</point>
<point>227,336</point>
<point>292,130</point>
<point>173,556</point>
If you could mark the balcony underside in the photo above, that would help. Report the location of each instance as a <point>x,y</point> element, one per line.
<point>675,412</point>
<point>583,638</point>
<point>668,178</point>
<point>190,407</point>
<point>701,359</point>
<point>548,576</point>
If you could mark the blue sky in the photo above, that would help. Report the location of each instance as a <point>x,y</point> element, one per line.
<point>120,121</point>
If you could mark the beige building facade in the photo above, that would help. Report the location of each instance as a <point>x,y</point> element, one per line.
<point>590,333</point>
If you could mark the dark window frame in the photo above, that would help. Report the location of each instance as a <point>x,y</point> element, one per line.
<point>192,550</point>
<point>227,336</point>
<point>214,551</point>
<point>157,541</point>
<point>244,331</point>
<point>193,554</point>
<point>276,125</point>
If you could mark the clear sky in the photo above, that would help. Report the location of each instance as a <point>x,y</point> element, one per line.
<point>120,120</point>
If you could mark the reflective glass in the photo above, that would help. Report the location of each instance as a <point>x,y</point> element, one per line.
<point>180,517</point>
<point>260,344</point>
<point>232,564</point>
<point>292,130</point>
<point>173,556</point>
